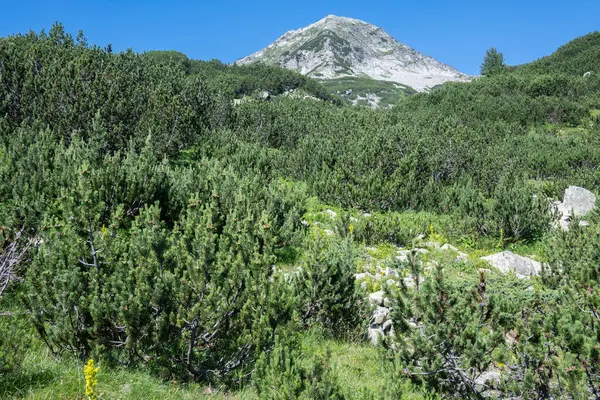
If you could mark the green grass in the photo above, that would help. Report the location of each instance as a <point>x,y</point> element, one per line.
<point>41,376</point>
<point>358,366</point>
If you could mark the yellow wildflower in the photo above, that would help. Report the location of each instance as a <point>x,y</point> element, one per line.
<point>90,380</point>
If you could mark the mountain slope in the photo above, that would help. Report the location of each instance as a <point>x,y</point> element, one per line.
<point>337,47</point>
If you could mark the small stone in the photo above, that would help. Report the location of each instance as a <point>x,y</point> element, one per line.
<point>390,272</point>
<point>332,214</point>
<point>402,257</point>
<point>584,223</point>
<point>377,298</point>
<point>362,276</point>
<point>432,245</point>
<point>328,232</point>
<point>387,302</point>
<point>387,325</point>
<point>375,335</point>
<point>489,378</point>
<point>380,315</point>
<point>448,246</point>
<point>511,337</point>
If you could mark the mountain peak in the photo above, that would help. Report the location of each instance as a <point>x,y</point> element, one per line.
<point>337,18</point>
<point>336,47</point>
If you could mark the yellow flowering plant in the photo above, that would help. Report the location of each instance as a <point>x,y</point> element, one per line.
<point>91,381</point>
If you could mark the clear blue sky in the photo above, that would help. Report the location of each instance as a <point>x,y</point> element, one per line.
<point>454,32</point>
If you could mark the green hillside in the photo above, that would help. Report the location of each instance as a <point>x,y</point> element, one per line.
<point>574,58</point>
<point>195,248</point>
<point>358,91</point>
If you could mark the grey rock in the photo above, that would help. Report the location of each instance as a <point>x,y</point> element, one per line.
<point>564,222</point>
<point>432,245</point>
<point>362,276</point>
<point>387,302</point>
<point>489,378</point>
<point>403,255</point>
<point>521,266</point>
<point>584,223</point>
<point>377,298</point>
<point>410,283</point>
<point>332,214</point>
<point>462,256</point>
<point>375,335</point>
<point>449,247</point>
<point>391,272</point>
<point>387,326</point>
<point>580,200</point>
<point>380,315</point>
<point>587,74</point>
<point>577,202</point>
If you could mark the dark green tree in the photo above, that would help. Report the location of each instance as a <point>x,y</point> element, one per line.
<point>493,63</point>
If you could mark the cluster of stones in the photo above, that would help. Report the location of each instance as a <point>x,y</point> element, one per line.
<point>380,323</point>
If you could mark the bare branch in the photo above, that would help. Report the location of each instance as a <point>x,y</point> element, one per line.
<point>12,255</point>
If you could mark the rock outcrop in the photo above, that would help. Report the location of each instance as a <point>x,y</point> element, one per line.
<point>577,202</point>
<point>521,266</point>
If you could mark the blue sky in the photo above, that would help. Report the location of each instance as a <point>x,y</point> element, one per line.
<point>454,32</point>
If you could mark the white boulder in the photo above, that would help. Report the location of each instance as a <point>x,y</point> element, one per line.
<point>507,261</point>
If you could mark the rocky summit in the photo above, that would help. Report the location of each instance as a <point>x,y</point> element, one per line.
<point>340,47</point>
